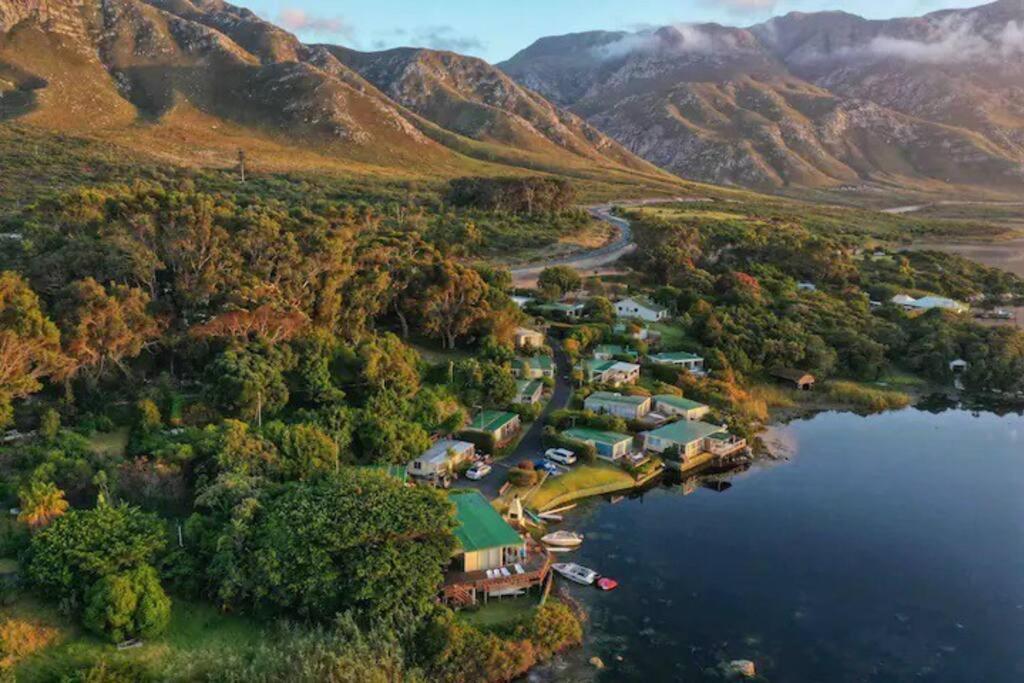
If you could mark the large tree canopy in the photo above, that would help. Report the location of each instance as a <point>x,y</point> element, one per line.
<point>356,541</point>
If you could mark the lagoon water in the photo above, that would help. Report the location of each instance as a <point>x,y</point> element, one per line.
<point>887,548</point>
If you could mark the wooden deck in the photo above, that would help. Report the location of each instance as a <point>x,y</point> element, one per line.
<point>468,588</point>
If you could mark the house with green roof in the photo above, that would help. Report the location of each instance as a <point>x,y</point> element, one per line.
<point>613,372</point>
<point>615,351</point>
<point>611,403</point>
<point>641,308</point>
<point>529,391</point>
<point>561,311</point>
<point>609,445</point>
<point>485,539</point>
<point>533,367</point>
<point>693,441</point>
<point>502,425</point>
<point>677,406</point>
<point>491,558</point>
<point>680,359</point>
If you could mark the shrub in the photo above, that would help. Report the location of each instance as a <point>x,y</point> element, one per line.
<point>522,477</point>
<point>121,606</point>
<point>552,629</point>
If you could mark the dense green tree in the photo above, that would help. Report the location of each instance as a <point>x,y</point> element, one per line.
<point>127,604</point>
<point>355,541</point>
<point>82,546</point>
<point>249,382</point>
<point>559,280</point>
<point>305,450</point>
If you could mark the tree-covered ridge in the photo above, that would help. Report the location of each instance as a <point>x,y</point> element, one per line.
<point>736,279</point>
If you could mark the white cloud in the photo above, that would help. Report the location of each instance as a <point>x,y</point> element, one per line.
<point>688,38</point>
<point>952,40</point>
<point>300,21</point>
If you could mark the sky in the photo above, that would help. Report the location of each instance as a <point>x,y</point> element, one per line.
<point>497,30</point>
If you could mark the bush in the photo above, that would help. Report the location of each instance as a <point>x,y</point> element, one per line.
<point>126,605</point>
<point>147,416</point>
<point>552,629</point>
<point>523,478</point>
<point>484,443</point>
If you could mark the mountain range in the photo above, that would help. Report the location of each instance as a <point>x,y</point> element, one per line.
<point>821,100</point>
<point>196,80</point>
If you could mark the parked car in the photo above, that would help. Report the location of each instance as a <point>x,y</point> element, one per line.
<point>561,455</point>
<point>478,471</point>
<point>542,465</point>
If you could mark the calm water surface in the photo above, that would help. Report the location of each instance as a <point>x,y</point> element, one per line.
<point>890,548</point>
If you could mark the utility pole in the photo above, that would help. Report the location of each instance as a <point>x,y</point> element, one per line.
<point>241,164</point>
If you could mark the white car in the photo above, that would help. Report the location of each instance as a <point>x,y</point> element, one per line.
<point>560,455</point>
<point>478,471</point>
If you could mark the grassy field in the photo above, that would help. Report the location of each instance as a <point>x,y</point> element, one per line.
<point>194,629</point>
<point>580,479</point>
<point>110,443</point>
<point>751,208</point>
<point>673,337</point>
<point>500,612</point>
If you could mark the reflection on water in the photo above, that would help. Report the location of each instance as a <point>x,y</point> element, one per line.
<point>890,548</point>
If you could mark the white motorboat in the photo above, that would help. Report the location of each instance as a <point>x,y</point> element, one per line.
<point>564,539</point>
<point>550,517</point>
<point>576,573</point>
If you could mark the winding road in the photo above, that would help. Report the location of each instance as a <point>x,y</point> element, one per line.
<point>601,257</point>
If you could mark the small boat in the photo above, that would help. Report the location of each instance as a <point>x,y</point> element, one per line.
<point>606,584</point>
<point>565,539</point>
<point>556,549</point>
<point>558,511</point>
<point>533,515</point>
<point>550,517</point>
<point>576,573</point>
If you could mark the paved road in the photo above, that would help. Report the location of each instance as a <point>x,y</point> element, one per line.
<point>531,445</point>
<point>596,258</point>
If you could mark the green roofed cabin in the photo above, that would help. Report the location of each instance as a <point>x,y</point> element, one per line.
<point>677,406</point>
<point>561,311</point>
<point>534,367</point>
<point>679,359</point>
<point>610,403</point>
<point>609,445</point>
<point>492,559</point>
<point>486,541</point>
<point>529,391</point>
<point>614,351</point>
<point>499,424</point>
<point>696,442</point>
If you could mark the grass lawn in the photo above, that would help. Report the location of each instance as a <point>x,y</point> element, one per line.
<point>898,378</point>
<point>8,565</point>
<point>673,337</point>
<point>110,443</point>
<point>581,479</point>
<point>499,612</point>
<point>436,356</point>
<point>194,628</point>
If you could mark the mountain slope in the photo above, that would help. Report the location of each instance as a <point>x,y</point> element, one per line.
<point>196,80</point>
<point>808,100</point>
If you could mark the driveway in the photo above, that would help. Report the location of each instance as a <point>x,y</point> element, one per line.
<point>532,444</point>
